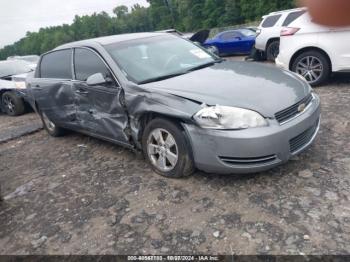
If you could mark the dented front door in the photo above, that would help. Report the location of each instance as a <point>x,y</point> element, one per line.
<point>99,110</point>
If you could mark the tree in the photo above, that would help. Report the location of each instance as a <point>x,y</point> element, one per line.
<point>184,15</point>
<point>121,11</point>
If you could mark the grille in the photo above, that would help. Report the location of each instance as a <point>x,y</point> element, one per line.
<point>248,160</point>
<point>292,111</point>
<point>303,139</point>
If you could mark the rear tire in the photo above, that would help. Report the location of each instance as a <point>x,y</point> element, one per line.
<point>273,50</point>
<point>166,149</point>
<point>12,104</point>
<point>51,127</point>
<point>313,66</point>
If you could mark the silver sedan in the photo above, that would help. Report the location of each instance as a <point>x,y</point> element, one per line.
<point>182,106</point>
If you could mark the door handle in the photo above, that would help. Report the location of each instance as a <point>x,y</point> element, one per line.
<point>37,87</point>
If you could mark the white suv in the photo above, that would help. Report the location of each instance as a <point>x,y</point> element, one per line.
<point>268,34</point>
<point>314,51</point>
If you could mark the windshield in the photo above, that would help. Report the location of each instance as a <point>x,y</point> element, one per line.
<point>247,32</point>
<point>155,58</point>
<point>9,68</point>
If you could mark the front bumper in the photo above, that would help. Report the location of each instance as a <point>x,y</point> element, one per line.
<point>253,150</point>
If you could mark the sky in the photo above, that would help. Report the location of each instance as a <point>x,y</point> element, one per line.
<point>20,16</point>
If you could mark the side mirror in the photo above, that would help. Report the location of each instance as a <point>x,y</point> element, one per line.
<point>96,79</point>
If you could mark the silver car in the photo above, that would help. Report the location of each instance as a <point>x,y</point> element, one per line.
<point>184,107</point>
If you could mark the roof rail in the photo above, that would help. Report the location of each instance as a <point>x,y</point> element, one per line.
<point>288,10</point>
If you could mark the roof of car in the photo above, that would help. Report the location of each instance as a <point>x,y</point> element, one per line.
<point>286,11</point>
<point>109,39</point>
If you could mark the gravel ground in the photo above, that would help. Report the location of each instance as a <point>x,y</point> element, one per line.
<point>80,195</point>
<point>15,127</point>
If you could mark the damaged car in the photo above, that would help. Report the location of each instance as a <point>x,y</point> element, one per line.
<point>13,95</point>
<point>182,106</point>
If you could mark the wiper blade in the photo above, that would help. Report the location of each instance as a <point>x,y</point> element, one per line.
<point>160,78</point>
<point>205,65</point>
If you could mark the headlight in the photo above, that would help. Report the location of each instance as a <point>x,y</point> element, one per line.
<point>20,85</point>
<point>224,117</point>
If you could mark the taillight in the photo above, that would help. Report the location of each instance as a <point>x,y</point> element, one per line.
<point>289,31</point>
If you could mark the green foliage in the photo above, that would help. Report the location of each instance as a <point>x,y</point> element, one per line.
<point>184,15</point>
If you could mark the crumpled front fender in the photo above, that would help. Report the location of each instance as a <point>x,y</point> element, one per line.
<point>140,102</point>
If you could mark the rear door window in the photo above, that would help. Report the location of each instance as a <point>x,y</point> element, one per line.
<point>292,17</point>
<point>87,63</point>
<point>271,21</point>
<point>57,65</point>
<point>229,36</point>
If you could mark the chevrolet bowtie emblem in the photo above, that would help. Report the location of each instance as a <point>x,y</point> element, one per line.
<point>301,108</point>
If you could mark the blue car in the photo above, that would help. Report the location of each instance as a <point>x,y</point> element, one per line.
<point>240,41</point>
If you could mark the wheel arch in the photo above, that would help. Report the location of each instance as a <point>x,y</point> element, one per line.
<point>148,116</point>
<point>306,49</point>
<point>2,91</point>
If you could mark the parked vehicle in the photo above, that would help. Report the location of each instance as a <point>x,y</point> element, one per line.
<point>13,87</point>
<point>268,33</point>
<point>178,103</point>
<point>314,51</point>
<point>33,59</point>
<point>240,41</point>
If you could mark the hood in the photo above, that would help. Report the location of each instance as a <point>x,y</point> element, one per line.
<point>262,88</point>
<point>200,36</point>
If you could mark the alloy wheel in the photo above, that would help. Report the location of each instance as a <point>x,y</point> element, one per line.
<point>162,150</point>
<point>311,68</point>
<point>9,103</point>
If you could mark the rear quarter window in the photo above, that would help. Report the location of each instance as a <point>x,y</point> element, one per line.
<point>292,17</point>
<point>57,64</point>
<point>270,21</point>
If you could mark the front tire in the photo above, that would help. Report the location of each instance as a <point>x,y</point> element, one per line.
<point>12,104</point>
<point>164,146</point>
<point>313,66</point>
<point>50,126</point>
